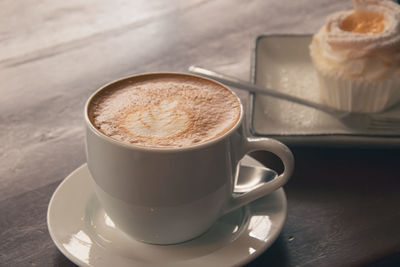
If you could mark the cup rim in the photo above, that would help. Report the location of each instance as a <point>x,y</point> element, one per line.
<point>98,133</point>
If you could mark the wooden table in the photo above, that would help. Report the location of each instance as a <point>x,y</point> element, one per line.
<point>343,202</point>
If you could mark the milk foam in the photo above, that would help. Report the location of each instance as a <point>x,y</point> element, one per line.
<point>165,111</point>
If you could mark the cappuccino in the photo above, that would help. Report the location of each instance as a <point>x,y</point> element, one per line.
<point>164,110</point>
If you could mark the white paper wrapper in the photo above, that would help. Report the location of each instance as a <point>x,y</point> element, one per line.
<point>358,95</point>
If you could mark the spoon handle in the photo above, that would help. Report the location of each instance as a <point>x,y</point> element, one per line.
<point>231,81</point>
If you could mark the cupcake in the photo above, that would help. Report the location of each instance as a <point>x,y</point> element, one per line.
<point>356,55</point>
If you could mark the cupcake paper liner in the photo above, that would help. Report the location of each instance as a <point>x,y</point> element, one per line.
<point>358,95</point>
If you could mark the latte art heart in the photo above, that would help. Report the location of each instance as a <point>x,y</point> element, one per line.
<point>163,120</point>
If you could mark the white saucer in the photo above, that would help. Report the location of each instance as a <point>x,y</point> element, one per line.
<point>83,232</point>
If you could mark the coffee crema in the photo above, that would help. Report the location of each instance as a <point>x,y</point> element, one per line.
<point>164,110</point>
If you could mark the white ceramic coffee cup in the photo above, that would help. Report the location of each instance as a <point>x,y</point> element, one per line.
<point>170,195</point>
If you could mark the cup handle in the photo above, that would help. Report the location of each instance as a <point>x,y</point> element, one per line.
<point>271,145</point>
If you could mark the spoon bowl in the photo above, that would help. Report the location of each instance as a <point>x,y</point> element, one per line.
<point>251,177</point>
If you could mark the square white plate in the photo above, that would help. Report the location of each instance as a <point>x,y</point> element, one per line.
<point>282,62</point>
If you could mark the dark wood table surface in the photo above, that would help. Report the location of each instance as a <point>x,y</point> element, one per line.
<point>343,203</point>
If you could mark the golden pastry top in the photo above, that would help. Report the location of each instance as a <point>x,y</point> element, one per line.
<point>373,25</point>
<point>364,22</point>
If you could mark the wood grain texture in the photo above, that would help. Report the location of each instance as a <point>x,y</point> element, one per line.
<point>343,204</point>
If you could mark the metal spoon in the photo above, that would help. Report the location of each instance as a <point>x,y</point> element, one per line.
<point>231,81</point>
<point>377,121</point>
